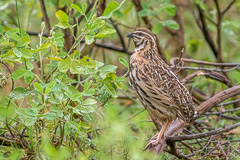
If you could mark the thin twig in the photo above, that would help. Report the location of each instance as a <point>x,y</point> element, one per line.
<point>119,34</point>
<point>211,69</point>
<point>214,75</point>
<point>186,60</point>
<point>219,28</point>
<point>86,12</point>
<point>177,126</point>
<point>206,33</point>
<point>9,72</point>
<point>228,7</point>
<point>205,134</point>
<point>45,16</point>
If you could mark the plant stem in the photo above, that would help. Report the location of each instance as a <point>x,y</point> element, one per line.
<point>79,124</point>
<point>19,25</point>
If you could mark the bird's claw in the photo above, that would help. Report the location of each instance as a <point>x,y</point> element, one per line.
<point>152,142</point>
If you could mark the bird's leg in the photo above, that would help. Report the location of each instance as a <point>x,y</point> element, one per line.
<point>159,135</point>
<point>163,129</point>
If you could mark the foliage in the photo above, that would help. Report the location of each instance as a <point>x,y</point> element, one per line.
<point>61,101</point>
<point>57,108</point>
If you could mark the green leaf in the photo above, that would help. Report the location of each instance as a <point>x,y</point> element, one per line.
<point>89,92</point>
<point>143,12</point>
<point>64,65</point>
<point>84,7</point>
<point>105,32</point>
<point>19,73</point>
<point>55,109</point>
<point>23,42</point>
<point>87,109</point>
<point>89,39</point>
<point>75,7</point>
<point>89,101</point>
<point>95,24</point>
<point>17,52</point>
<point>120,79</point>
<point>60,114</point>
<point>146,12</point>
<point>88,62</point>
<point>85,125</point>
<point>31,112</point>
<point>201,4</point>
<point>38,87</point>
<point>67,128</point>
<point>87,84</point>
<point>63,19</point>
<point>171,9</point>
<point>1,30</point>
<point>13,34</point>
<point>44,46</point>
<point>99,64</point>
<point>26,53</point>
<point>145,4</point>
<point>50,116</point>
<point>49,87</point>
<point>25,117</point>
<point>233,24</point>
<point>40,107</point>
<point>29,65</point>
<point>171,24</point>
<point>157,28</point>
<point>193,45</point>
<point>123,62</point>
<point>109,68</point>
<point>28,77</point>
<point>111,8</point>
<point>110,89</point>
<point>76,96</point>
<point>7,45</point>
<point>73,124</point>
<point>62,16</point>
<point>63,25</point>
<point>19,93</point>
<point>76,68</point>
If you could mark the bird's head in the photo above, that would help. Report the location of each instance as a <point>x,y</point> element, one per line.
<point>143,38</point>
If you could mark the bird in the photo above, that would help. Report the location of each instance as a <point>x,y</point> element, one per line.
<point>158,88</point>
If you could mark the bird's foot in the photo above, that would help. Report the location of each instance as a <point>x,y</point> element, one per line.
<point>153,142</point>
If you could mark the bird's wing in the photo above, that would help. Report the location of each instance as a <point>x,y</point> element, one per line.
<point>165,89</point>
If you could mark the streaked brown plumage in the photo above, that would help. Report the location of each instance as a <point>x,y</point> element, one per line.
<point>158,88</point>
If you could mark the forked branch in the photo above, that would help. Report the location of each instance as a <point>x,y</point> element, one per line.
<point>177,126</point>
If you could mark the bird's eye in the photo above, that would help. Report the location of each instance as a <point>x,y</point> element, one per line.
<point>140,34</point>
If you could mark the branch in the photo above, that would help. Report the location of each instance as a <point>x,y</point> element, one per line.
<point>113,48</point>
<point>215,100</point>
<point>87,10</point>
<point>45,16</point>
<point>186,60</point>
<point>228,7</point>
<point>9,72</point>
<point>211,69</point>
<point>202,135</point>
<point>147,22</point>
<point>177,126</point>
<point>214,75</point>
<point>119,34</point>
<point>219,28</point>
<point>205,32</point>
<point>101,45</point>
<point>32,33</point>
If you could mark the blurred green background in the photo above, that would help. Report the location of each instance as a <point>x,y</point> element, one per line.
<point>114,125</point>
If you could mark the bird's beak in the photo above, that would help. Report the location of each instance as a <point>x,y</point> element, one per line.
<point>130,35</point>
